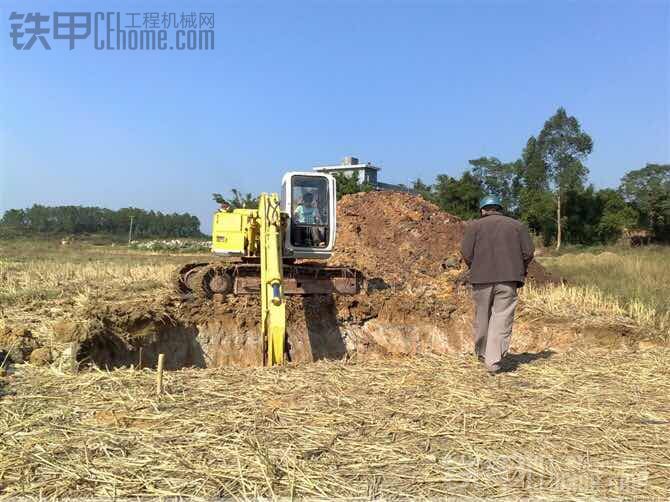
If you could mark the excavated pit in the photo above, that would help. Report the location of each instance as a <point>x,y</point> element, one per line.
<point>321,331</point>
<point>419,303</point>
<point>208,333</point>
<point>179,343</point>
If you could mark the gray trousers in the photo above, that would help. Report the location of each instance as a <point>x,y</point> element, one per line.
<point>494,314</point>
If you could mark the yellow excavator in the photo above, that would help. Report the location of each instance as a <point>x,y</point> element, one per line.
<point>268,250</point>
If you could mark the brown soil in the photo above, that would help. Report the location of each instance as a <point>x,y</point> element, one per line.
<point>16,344</point>
<point>398,237</point>
<point>407,249</point>
<point>403,239</point>
<point>41,356</point>
<point>537,274</point>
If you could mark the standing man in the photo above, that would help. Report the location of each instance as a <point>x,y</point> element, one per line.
<point>497,249</point>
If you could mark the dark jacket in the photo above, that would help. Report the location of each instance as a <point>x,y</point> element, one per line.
<point>497,249</point>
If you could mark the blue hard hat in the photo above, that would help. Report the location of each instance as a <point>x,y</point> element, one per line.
<point>490,200</point>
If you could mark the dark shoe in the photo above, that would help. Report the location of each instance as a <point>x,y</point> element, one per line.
<point>494,370</point>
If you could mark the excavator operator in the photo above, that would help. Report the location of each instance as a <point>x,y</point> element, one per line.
<point>307,213</point>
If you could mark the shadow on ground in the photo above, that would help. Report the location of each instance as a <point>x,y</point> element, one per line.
<point>179,344</point>
<point>513,361</point>
<point>4,390</point>
<point>325,338</point>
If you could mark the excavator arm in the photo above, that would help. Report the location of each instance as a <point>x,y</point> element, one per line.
<point>273,314</point>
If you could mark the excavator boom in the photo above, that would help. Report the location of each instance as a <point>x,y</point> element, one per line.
<point>273,313</point>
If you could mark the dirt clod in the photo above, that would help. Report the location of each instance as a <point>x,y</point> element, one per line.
<point>68,331</point>
<point>537,274</point>
<point>41,356</point>
<point>16,344</point>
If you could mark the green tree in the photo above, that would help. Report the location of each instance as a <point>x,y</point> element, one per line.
<point>579,224</point>
<point>533,173</point>
<point>238,200</point>
<point>536,209</point>
<point>564,146</point>
<point>349,184</point>
<point>648,190</point>
<point>616,215</point>
<point>535,202</point>
<point>499,178</point>
<point>424,190</point>
<point>459,196</point>
<point>14,218</point>
<point>82,220</point>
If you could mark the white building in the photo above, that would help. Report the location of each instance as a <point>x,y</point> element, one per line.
<point>366,173</point>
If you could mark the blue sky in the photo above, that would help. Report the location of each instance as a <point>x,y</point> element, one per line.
<point>415,87</point>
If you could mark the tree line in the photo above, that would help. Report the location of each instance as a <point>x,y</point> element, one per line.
<point>75,220</point>
<point>547,187</point>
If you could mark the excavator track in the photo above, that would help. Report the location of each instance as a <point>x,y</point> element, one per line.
<point>204,280</point>
<point>182,274</point>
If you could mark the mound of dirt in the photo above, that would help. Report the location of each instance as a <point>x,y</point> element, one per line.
<point>537,274</point>
<point>397,237</point>
<point>403,239</point>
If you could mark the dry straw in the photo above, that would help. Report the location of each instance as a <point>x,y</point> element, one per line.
<point>573,425</point>
<point>589,305</point>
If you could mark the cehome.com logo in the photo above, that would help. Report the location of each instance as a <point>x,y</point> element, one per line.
<point>144,31</point>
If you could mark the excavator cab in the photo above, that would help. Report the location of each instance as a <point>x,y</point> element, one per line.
<point>308,201</point>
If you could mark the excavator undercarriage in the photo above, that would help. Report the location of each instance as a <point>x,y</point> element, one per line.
<point>204,280</point>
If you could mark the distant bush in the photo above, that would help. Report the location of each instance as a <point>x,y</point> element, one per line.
<point>179,245</point>
<point>79,220</point>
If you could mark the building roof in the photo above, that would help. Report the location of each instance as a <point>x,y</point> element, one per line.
<point>340,167</point>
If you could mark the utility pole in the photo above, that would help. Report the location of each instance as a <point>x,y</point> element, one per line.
<point>130,230</point>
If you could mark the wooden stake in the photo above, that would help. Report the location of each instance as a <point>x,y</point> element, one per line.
<point>159,374</point>
<point>130,230</point>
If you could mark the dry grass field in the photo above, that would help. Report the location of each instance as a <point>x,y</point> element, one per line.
<point>567,427</point>
<point>41,281</point>
<point>632,275</point>
<point>579,423</point>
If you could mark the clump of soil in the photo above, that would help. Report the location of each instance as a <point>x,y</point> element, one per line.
<point>41,356</point>
<point>537,274</point>
<point>16,344</point>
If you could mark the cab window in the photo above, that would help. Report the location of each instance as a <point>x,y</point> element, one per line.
<point>309,211</point>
